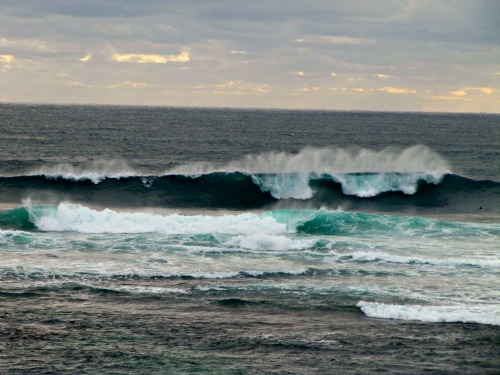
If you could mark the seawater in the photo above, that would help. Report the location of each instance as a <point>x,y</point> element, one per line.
<point>137,239</point>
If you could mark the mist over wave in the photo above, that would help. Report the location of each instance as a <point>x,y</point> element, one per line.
<point>418,158</point>
<point>307,161</point>
<point>95,171</point>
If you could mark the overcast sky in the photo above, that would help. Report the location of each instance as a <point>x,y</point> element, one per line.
<point>404,55</point>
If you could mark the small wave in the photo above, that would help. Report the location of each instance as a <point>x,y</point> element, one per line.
<point>389,258</point>
<point>482,314</point>
<point>266,242</point>
<point>139,289</point>
<point>80,284</point>
<point>17,219</point>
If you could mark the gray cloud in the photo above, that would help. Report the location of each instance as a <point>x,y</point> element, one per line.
<point>378,52</point>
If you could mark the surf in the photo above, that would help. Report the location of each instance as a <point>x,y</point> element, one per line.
<point>78,218</point>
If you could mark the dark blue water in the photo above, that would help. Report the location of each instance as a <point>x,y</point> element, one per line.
<point>189,240</point>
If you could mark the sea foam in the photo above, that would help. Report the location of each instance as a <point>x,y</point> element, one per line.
<point>269,242</point>
<point>362,256</point>
<point>482,314</point>
<point>77,218</point>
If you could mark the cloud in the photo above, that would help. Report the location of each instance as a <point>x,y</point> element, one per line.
<point>395,90</point>
<point>125,84</point>
<point>155,59</point>
<point>6,59</point>
<point>307,89</point>
<point>240,88</point>
<point>6,62</point>
<point>332,39</point>
<point>78,84</point>
<point>86,58</point>
<point>129,84</point>
<point>419,48</point>
<point>29,44</point>
<point>465,91</point>
<point>445,97</point>
<point>459,93</point>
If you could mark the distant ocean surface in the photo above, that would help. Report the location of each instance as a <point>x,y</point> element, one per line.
<point>188,240</point>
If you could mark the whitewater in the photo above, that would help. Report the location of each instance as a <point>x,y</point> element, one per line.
<point>256,235</point>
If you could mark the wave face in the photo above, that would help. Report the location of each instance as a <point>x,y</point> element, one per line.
<point>235,190</point>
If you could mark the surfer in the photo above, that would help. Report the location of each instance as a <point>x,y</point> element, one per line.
<point>481,208</point>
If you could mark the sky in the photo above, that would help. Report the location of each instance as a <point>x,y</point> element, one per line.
<point>384,55</point>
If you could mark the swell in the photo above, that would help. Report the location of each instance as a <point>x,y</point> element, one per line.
<point>235,190</point>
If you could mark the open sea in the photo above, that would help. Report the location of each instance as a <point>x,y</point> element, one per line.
<point>148,240</point>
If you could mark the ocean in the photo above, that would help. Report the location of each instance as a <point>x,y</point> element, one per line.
<point>151,240</point>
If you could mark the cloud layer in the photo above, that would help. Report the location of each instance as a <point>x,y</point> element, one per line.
<point>350,54</point>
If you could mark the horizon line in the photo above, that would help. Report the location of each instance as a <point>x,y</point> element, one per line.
<point>240,108</point>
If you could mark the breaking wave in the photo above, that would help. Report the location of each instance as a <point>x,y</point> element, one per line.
<point>256,227</point>
<point>385,180</point>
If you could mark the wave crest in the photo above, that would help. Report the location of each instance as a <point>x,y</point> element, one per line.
<point>96,171</point>
<point>362,185</point>
<point>482,314</point>
<point>360,172</point>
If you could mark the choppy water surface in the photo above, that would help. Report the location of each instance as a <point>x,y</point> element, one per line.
<point>146,240</point>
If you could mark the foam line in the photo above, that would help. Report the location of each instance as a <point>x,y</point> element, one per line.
<point>482,314</point>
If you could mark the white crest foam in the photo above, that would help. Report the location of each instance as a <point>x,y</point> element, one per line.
<point>77,218</point>
<point>483,314</point>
